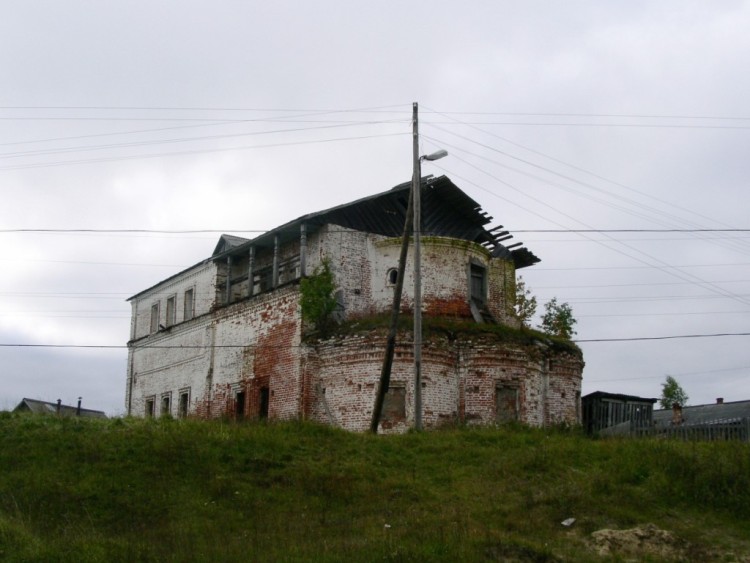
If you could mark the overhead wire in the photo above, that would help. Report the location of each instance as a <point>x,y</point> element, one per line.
<point>296,115</point>
<point>197,151</point>
<point>229,230</point>
<point>89,148</point>
<point>680,274</point>
<point>590,173</point>
<point>584,268</point>
<point>287,346</point>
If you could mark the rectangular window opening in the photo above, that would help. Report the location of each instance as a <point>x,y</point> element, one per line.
<point>478,283</point>
<point>171,310</point>
<point>189,305</point>
<point>506,404</point>
<point>264,403</point>
<point>239,405</point>
<point>154,318</point>
<point>165,406</point>
<point>184,403</point>
<point>149,407</point>
<point>394,404</point>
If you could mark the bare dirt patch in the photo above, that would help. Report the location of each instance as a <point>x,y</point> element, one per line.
<point>647,540</point>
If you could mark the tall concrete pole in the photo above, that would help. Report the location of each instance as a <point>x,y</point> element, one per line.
<point>416,188</point>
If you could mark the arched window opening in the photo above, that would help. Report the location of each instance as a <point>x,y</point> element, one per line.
<point>392,276</point>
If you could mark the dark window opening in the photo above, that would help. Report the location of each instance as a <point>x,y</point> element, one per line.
<point>165,406</point>
<point>239,405</point>
<point>149,407</point>
<point>392,276</point>
<point>183,405</point>
<point>264,402</point>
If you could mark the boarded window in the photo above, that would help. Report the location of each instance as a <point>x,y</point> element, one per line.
<point>506,404</point>
<point>189,306</point>
<point>171,310</point>
<point>478,283</point>
<point>154,318</point>
<point>339,312</point>
<point>394,404</point>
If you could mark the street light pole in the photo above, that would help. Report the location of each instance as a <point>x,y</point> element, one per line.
<point>416,189</point>
<point>411,215</point>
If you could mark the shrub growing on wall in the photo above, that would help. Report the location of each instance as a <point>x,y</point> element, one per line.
<point>318,298</point>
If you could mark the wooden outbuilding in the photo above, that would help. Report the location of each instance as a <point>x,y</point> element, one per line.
<point>611,412</point>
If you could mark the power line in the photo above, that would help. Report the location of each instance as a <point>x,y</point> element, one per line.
<point>627,284</point>
<point>287,118</point>
<point>515,231</point>
<point>569,124</point>
<point>374,109</point>
<point>380,109</point>
<point>285,346</point>
<point>197,151</point>
<point>683,313</point>
<point>676,375</point>
<point>640,257</point>
<point>597,176</point>
<point>743,264</point>
<point>673,337</point>
<point>89,148</point>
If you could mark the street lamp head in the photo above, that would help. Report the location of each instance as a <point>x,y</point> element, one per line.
<point>437,155</point>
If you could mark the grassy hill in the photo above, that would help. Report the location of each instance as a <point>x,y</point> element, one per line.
<point>166,490</point>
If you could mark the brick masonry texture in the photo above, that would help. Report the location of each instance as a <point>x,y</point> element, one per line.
<point>246,357</point>
<point>460,380</point>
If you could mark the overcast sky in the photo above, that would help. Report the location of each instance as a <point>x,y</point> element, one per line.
<point>240,116</point>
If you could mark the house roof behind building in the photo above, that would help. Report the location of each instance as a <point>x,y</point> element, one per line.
<point>617,397</point>
<point>446,211</point>
<point>227,242</point>
<point>700,414</point>
<point>43,407</point>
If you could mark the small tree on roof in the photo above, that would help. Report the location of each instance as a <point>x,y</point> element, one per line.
<point>558,319</point>
<point>525,306</point>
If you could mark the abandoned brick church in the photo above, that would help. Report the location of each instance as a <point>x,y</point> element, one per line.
<point>226,338</point>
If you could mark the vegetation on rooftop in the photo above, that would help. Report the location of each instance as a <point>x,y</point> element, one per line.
<point>453,328</point>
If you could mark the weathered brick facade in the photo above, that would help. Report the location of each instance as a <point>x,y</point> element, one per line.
<point>460,379</point>
<point>225,338</point>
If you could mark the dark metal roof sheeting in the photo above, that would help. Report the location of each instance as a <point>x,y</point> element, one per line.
<point>446,211</point>
<point>618,397</point>
<point>43,407</point>
<point>701,414</point>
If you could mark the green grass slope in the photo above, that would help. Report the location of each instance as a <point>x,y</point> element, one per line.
<point>166,490</point>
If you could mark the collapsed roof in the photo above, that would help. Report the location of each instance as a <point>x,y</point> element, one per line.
<point>446,211</point>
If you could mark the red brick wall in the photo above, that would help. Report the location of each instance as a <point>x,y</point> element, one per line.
<point>459,378</point>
